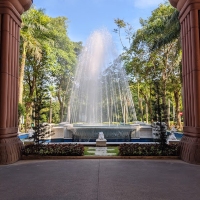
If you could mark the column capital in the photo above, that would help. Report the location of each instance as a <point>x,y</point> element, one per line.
<point>178,3</point>
<point>182,4</point>
<point>20,5</point>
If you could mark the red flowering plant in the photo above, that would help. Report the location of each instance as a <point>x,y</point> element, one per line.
<point>148,150</point>
<point>54,150</point>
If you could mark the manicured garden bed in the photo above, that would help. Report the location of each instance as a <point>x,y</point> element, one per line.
<point>53,150</point>
<point>148,150</point>
<point>77,151</point>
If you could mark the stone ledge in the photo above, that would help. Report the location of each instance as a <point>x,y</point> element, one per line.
<point>35,157</point>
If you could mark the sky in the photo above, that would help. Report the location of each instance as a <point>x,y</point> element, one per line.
<point>85,16</point>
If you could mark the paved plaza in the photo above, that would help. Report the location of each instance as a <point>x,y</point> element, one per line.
<point>100,180</point>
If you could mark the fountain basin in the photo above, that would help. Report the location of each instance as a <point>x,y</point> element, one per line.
<point>113,133</point>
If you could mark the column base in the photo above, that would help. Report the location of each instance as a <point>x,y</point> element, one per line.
<point>190,149</point>
<point>10,150</point>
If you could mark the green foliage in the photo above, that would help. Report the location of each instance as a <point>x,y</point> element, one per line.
<point>41,103</point>
<point>21,110</point>
<point>148,150</point>
<point>55,112</point>
<point>49,55</point>
<point>42,131</point>
<point>54,150</point>
<point>155,57</point>
<point>120,23</point>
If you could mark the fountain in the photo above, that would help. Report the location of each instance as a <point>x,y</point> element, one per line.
<point>101,100</point>
<point>100,92</point>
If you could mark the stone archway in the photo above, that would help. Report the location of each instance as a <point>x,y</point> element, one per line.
<point>10,19</point>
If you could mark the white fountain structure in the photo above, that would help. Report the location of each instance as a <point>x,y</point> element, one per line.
<point>172,138</point>
<point>100,92</point>
<point>101,141</point>
<point>101,100</point>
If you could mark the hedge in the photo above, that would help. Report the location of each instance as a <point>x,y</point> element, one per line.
<point>54,150</point>
<point>148,150</point>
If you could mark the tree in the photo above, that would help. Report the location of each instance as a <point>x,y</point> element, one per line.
<point>31,28</point>
<point>33,71</point>
<point>155,53</point>
<point>46,50</point>
<point>40,103</point>
<point>62,71</point>
<point>167,33</point>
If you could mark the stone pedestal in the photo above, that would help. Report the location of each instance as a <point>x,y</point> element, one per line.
<point>173,141</point>
<point>10,21</point>
<point>101,143</point>
<point>190,20</point>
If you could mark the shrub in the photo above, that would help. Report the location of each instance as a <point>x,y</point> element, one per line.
<point>54,150</point>
<point>147,150</point>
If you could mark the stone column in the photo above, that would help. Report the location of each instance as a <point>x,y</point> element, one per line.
<point>190,19</point>
<point>10,21</point>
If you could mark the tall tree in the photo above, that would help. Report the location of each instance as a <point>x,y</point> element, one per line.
<point>32,26</point>
<point>66,53</point>
<point>155,53</point>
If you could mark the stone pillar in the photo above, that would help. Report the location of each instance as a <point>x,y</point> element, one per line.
<point>10,21</point>
<point>190,20</point>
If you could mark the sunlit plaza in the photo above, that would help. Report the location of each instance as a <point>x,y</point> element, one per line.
<point>99,99</point>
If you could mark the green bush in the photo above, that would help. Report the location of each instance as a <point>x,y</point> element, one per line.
<point>148,150</point>
<point>54,150</point>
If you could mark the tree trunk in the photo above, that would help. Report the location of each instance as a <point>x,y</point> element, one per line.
<point>61,112</point>
<point>28,116</point>
<point>68,113</point>
<point>157,112</point>
<point>50,112</point>
<point>146,113</point>
<point>176,97</point>
<point>168,113</point>
<point>19,124</point>
<point>148,104</point>
<point>61,101</point>
<point>141,108</point>
<point>164,76</point>
<point>21,75</point>
<point>164,101</point>
<point>173,114</point>
<point>29,103</point>
<point>139,100</point>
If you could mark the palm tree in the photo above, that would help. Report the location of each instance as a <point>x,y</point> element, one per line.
<point>29,35</point>
<point>169,31</point>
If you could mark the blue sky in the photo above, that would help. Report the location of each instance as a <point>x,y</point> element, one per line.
<point>87,15</point>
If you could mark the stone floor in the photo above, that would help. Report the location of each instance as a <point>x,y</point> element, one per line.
<point>100,180</point>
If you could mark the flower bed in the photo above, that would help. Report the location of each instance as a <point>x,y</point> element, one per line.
<point>54,150</point>
<point>147,150</point>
